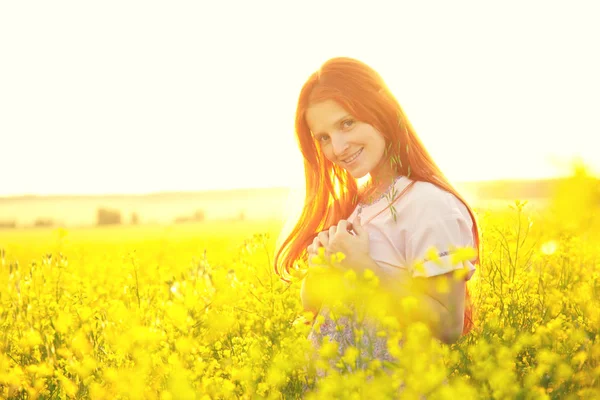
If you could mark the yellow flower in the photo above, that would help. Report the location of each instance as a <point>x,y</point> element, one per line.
<point>81,344</point>
<point>276,377</point>
<point>409,303</point>
<point>298,273</point>
<point>419,267</point>
<point>30,339</point>
<point>458,255</point>
<point>563,371</point>
<point>442,286</point>
<point>579,358</point>
<point>350,355</point>
<point>337,258</point>
<point>329,349</point>
<point>460,273</point>
<point>63,322</point>
<point>433,255</point>
<point>350,275</point>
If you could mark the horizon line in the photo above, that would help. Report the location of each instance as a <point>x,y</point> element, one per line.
<point>171,192</point>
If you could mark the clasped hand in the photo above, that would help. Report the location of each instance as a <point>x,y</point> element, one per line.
<point>340,238</point>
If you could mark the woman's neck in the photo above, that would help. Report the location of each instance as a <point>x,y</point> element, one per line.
<point>376,187</point>
<point>383,174</point>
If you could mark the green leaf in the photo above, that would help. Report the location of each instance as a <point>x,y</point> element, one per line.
<point>388,148</point>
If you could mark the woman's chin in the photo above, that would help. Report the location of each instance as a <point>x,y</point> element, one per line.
<point>357,173</point>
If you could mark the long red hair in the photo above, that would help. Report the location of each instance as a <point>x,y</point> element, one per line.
<point>331,192</point>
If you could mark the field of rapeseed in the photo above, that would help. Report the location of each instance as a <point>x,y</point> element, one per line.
<point>196,312</point>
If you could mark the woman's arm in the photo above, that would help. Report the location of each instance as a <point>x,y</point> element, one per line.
<point>312,289</point>
<point>310,300</point>
<point>442,311</point>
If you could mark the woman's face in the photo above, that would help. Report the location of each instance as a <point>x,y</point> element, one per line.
<point>353,145</point>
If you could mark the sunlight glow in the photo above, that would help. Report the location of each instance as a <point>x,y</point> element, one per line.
<point>196,97</point>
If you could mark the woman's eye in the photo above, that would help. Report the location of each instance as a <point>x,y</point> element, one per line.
<point>349,123</point>
<point>322,138</point>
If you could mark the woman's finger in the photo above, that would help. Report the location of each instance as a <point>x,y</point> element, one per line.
<point>323,238</point>
<point>358,229</point>
<point>342,225</point>
<point>316,244</point>
<point>332,231</point>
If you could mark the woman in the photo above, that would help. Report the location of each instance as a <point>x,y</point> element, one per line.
<point>349,125</point>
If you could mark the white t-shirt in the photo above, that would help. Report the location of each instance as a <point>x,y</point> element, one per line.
<point>425,216</point>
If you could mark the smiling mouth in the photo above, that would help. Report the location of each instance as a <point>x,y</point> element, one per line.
<point>353,157</point>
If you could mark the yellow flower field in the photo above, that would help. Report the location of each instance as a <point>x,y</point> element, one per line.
<point>196,312</point>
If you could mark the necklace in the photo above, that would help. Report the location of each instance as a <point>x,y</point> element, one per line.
<point>396,197</point>
<point>385,193</point>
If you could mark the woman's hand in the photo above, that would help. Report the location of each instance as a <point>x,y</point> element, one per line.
<point>338,238</point>
<point>313,249</point>
<point>352,240</point>
<point>312,294</point>
<point>321,240</point>
<point>354,246</point>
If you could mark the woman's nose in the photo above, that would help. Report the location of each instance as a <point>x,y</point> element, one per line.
<point>340,145</point>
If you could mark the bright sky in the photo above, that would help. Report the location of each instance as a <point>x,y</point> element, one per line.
<point>138,97</point>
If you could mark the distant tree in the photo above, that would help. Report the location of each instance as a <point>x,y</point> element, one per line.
<point>135,219</point>
<point>105,216</point>
<point>8,224</point>
<point>43,222</point>
<point>181,220</point>
<point>242,216</point>
<point>199,216</point>
<point>576,201</point>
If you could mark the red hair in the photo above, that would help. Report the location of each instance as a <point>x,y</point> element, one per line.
<point>331,192</point>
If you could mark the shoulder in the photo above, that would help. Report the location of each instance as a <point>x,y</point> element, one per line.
<point>427,202</point>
